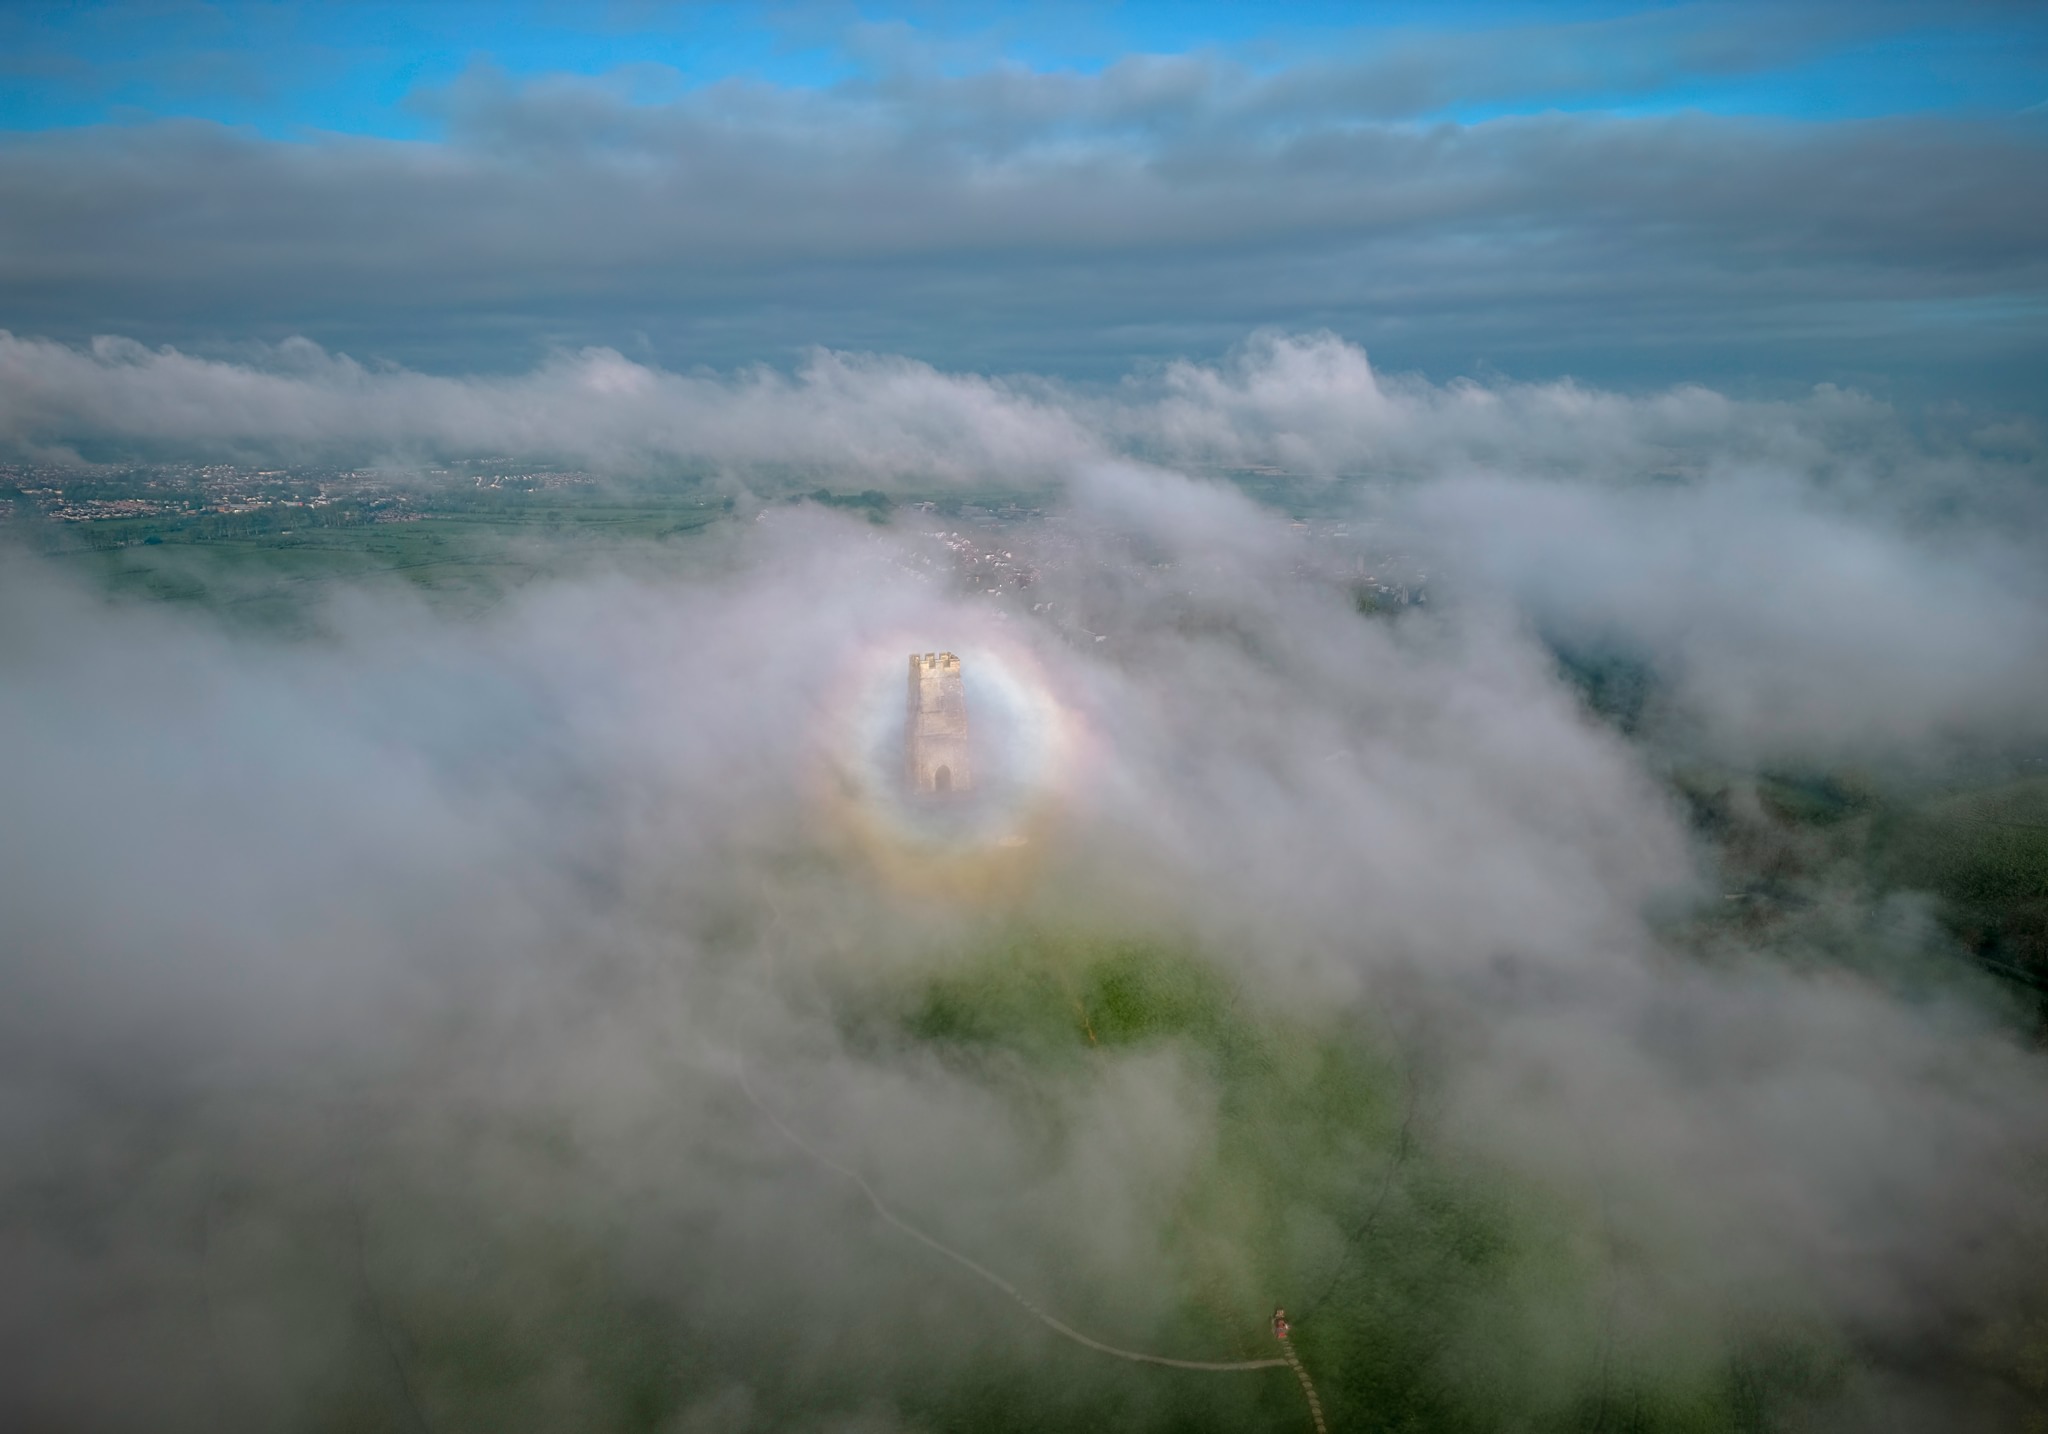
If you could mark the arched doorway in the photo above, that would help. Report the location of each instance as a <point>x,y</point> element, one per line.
<point>942,780</point>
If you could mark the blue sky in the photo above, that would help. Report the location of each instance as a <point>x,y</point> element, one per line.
<point>1769,195</point>
<point>285,68</point>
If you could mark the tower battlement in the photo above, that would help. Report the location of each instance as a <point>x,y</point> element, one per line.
<point>935,734</point>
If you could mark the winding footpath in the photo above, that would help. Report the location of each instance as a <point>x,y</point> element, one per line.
<point>1288,1360</point>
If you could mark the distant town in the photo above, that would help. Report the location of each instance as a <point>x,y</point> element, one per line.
<point>80,494</point>
<point>310,521</point>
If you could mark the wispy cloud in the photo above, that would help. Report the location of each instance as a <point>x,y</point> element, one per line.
<point>1810,573</point>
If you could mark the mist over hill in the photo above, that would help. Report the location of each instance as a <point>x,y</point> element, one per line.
<point>1546,885</point>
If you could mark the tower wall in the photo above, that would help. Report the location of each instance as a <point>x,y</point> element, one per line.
<point>935,737</point>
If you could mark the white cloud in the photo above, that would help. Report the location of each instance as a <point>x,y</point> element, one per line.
<point>507,895</point>
<point>1810,574</point>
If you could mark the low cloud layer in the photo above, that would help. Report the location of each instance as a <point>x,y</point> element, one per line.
<point>1312,405</point>
<point>351,974</point>
<point>1812,576</point>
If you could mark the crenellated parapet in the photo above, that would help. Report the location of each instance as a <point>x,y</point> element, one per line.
<point>935,734</point>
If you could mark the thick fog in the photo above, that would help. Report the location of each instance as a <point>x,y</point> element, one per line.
<point>334,964</point>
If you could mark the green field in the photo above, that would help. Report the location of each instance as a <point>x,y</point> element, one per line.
<point>461,548</point>
<point>273,566</point>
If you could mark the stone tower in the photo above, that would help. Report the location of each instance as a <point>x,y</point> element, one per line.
<point>935,729</point>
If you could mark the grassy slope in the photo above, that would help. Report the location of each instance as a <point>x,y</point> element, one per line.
<point>1427,1294</point>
